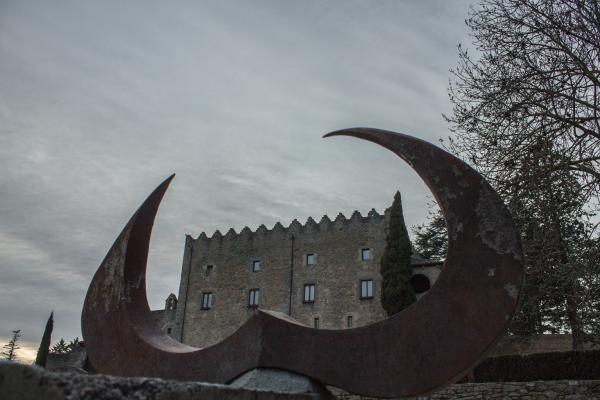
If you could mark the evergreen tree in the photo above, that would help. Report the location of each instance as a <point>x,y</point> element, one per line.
<point>42,354</point>
<point>431,238</point>
<point>73,344</point>
<point>60,348</point>
<point>396,290</point>
<point>10,349</point>
<point>557,242</point>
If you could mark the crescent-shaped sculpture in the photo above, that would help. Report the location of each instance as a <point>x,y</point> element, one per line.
<point>430,344</point>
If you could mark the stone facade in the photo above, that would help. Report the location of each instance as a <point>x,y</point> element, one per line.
<point>165,319</point>
<point>223,275</point>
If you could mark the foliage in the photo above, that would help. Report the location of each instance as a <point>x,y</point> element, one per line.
<point>536,79</point>
<point>42,354</point>
<point>396,290</point>
<point>73,344</point>
<point>431,238</point>
<point>557,241</point>
<point>60,347</point>
<point>10,349</point>
<point>63,347</point>
<point>525,113</point>
<point>540,366</point>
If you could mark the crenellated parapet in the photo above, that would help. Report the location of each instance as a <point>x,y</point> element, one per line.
<point>310,227</point>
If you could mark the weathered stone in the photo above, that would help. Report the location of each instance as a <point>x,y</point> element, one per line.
<point>24,382</point>
<point>223,266</point>
<point>277,380</point>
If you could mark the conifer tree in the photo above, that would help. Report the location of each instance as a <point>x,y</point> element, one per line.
<point>10,349</point>
<point>431,238</point>
<point>73,344</point>
<point>60,348</point>
<point>42,354</point>
<point>396,290</point>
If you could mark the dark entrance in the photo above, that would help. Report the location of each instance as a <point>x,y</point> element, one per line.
<point>420,283</point>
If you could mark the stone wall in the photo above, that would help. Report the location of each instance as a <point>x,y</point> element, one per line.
<point>24,382</point>
<point>222,265</point>
<point>539,390</point>
<point>165,319</point>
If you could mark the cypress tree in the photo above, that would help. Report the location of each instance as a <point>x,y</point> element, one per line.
<point>42,354</point>
<point>396,290</point>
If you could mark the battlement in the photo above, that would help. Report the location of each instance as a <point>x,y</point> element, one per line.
<point>325,224</point>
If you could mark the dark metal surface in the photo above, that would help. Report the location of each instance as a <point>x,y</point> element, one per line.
<point>428,345</point>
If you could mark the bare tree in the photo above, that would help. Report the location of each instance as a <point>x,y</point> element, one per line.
<point>536,77</point>
<point>525,113</point>
<point>10,349</point>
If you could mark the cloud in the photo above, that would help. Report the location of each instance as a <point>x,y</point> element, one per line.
<point>101,101</point>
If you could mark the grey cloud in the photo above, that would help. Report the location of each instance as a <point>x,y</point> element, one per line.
<point>100,101</point>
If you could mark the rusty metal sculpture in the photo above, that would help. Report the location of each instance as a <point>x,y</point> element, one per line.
<point>428,345</point>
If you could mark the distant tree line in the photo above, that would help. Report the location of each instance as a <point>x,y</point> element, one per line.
<point>64,347</point>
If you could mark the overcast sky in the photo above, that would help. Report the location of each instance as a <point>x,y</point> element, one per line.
<point>102,100</point>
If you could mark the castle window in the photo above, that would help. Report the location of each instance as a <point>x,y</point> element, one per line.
<point>316,323</point>
<point>209,269</point>
<point>311,259</point>
<point>309,293</point>
<point>168,331</point>
<point>253,297</point>
<point>255,265</point>
<point>365,253</point>
<point>207,301</point>
<point>366,289</point>
<point>349,321</point>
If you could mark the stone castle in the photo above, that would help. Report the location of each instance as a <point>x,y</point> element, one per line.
<point>324,275</point>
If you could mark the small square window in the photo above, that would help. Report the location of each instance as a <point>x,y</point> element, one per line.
<point>365,254</point>
<point>253,297</point>
<point>168,331</point>
<point>207,301</point>
<point>316,323</point>
<point>309,293</point>
<point>366,289</point>
<point>209,269</point>
<point>349,322</point>
<point>255,265</point>
<point>311,259</point>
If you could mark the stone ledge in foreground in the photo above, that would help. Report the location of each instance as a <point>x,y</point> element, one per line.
<point>25,382</point>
